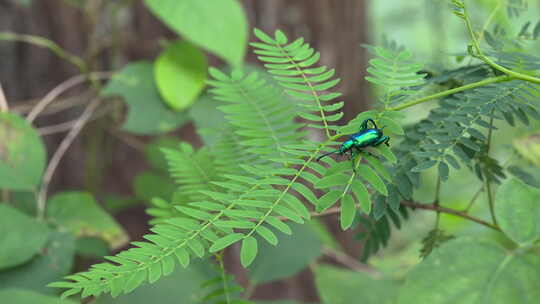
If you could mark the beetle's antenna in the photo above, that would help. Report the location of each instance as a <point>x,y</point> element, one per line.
<point>326,154</point>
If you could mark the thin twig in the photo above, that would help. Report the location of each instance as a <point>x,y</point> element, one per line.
<point>348,261</point>
<point>59,153</point>
<point>450,211</point>
<point>23,107</point>
<point>487,183</point>
<point>3,101</point>
<point>436,201</point>
<point>61,88</point>
<point>66,126</point>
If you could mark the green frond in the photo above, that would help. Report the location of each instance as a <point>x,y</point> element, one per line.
<point>376,228</point>
<point>193,171</point>
<point>453,130</point>
<point>293,67</point>
<point>262,119</point>
<point>221,289</point>
<point>395,73</point>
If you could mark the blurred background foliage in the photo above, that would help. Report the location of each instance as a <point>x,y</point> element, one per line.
<point>121,168</point>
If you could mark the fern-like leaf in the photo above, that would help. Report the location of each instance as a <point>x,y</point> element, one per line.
<point>292,65</point>
<point>395,72</point>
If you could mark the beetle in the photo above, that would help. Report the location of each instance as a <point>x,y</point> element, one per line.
<point>365,137</point>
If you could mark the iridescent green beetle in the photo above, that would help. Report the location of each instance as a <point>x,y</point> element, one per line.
<point>365,137</point>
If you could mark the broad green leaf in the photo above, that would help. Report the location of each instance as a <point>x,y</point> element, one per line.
<point>79,213</point>
<point>517,209</point>
<point>219,26</point>
<point>248,251</point>
<point>21,237</point>
<point>180,73</point>
<point>22,154</point>
<point>51,264</point>
<point>468,271</point>
<point>181,286</point>
<point>148,185</point>
<point>147,112</point>
<point>92,247</point>
<point>24,296</point>
<point>208,119</point>
<point>529,148</point>
<point>348,212</point>
<point>285,259</point>
<point>340,286</point>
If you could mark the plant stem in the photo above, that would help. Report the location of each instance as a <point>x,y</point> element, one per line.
<point>487,183</point>
<point>450,211</point>
<point>480,55</point>
<point>59,153</point>
<point>219,258</point>
<point>46,43</point>
<point>436,201</point>
<point>451,91</point>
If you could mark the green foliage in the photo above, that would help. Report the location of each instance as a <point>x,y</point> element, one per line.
<point>376,229</point>
<point>53,262</point>
<point>529,148</point>
<point>282,261</point>
<point>20,227</point>
<point>292,65</point>
<point>22,154</point>
<point>473,271</point>
<point>257,175</point>
<point>23,296</point>
<point>80,214</point>
<point>180,73</point>
<point>394,71</point>
<point>433,240</point>
<point>339,286</point>
<point>519,221</point>
<point>147,112</point>
<point>182,286</point>
<point>224,32</point>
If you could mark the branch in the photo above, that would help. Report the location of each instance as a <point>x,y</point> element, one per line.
<point>68,125</point>
<point>480,55</point>
<point>61,88</point>
<point>450,211</point>
<point>59,153</point>
<point>349,261</point>
<point>48,44</point>
<point>23,107</point>
<point>451,91</point>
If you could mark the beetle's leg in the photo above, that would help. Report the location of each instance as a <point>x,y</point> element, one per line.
<point>363,126</point>
<point>372,122</point>
<point>383,140</point>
